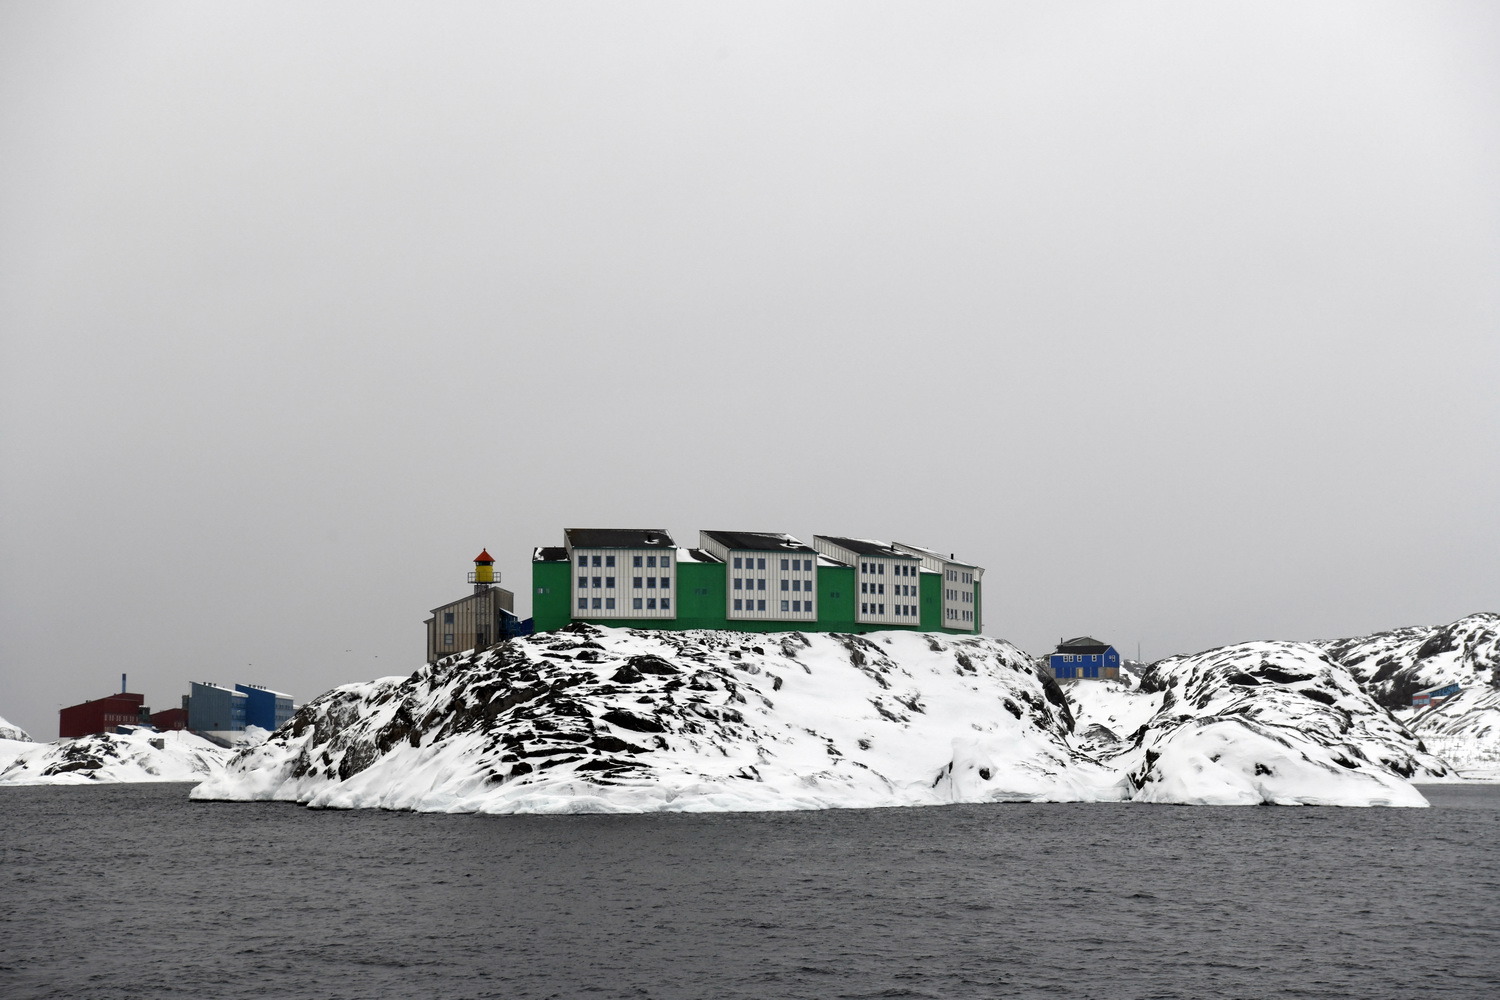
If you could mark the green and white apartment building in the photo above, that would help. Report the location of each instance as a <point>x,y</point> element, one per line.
<point>751,581</point>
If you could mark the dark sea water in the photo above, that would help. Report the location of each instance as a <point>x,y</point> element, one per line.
<point>133,891</point>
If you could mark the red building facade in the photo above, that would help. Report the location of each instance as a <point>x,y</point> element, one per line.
<point>101,715</point>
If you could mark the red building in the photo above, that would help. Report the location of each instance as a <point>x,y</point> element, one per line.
<point>102,715</point>
<point>172,718</point>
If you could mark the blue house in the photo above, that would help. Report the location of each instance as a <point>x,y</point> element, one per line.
<point>265,708</point>
<point>1085,658</point>
<point>215,709</point>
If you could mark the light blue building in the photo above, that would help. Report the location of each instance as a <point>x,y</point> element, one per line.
<point>1085,658</point>
<point>265,708</point>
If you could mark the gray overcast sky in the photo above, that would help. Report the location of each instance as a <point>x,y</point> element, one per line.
<point>1182,319</point>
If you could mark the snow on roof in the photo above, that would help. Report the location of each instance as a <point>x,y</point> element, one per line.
<point>549,553</point>
<point>618,538</point>
<point>867,546</point>
<point>686,555</point>
<point>760,541</point>
<point>1084,643</point>
<point>934,553</point>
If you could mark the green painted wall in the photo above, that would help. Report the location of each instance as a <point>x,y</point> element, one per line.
<point>702,592</point>
<point>551,595</point>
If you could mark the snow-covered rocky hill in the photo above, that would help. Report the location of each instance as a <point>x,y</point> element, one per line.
<point>594,719</point>
<point>12,733</point>
<point>1392,666</point>
<point>133,756</point>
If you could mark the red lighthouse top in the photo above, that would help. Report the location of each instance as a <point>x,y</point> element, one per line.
<point>484,557</point>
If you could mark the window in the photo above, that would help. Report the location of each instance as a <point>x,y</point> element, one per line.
<point>786,606</point>
<point>609,560</point>
<point>635,602</point>
<point>447,638</point>
<point>864,588</point>
<point>882,609</point>
<point>583,604</point>
<point>864,609</point>
<point>650,583</point>
<point>737,561</point>
<point>784,563</point>
<point>796,607</point>
<point>598,582</point>
<point>760,564</point>
<point>583,560</point>
<point>785,585</point>
<point>760,584</point>
<point>650,561</point>
<point>597,560</point>
<point>666,602</point>
<point>881,570</point>
<point>609,582</point>
<point>635,560</point>
<point>796,584</point>
<point>583,583</point>
<point>609,602</point>
<point>597,603</point>
<point>636,582</point>
<point>739,583</point>
<point>666,561</point>
<point>447,618</point>
<point>737,603</point>
<point>881,587</point>
<point>760,605</point>
<point>650,604</point>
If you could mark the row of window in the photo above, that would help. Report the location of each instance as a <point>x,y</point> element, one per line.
<point>796,605</point>
<point>584,561</point>
<point>955,576</point>
<point>1081,657</point>
<point>637,582</point>
<point>740,583</point>
<point>966,596</point>
<point>959,615</point>
<point>636,603</point>
<point>746,604</point>
<point>909,610</point>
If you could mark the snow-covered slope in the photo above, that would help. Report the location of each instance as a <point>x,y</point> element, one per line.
<point>594,719</point>
<point>12,733</point>
<point>591,719</point>
<point>113,757</point>
<point>1394,665</point>
<point>1276,722</point>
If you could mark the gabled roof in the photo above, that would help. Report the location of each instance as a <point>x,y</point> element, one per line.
<point>760,541</point>
<point>1082,644</point>
<point>935,554</point>
<point>619,538</point>
<point>867,546</point>
<point>697,556</point>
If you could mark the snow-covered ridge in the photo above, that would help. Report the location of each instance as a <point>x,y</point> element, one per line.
<point>115,757</point>
<point>1394,665</point>
<point>12,732</point>
<point>594,719</point>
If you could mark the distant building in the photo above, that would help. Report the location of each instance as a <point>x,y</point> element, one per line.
<point>1085,658</point>
<point>477,621</point>
<point>215,709</point>
<point>102,715</point>
<point>1434,696</point>
<point>170,719</point>
<point>751,581</point>
<point>265,708</point>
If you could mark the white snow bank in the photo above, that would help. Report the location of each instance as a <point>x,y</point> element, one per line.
<point>115,758</point>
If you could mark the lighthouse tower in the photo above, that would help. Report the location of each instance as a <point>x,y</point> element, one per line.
<point>483,577</point>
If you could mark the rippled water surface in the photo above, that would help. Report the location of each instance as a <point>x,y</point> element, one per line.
<point>132,891</point>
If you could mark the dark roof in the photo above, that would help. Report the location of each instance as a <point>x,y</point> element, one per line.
<point>550,553</point>
<point>1082,644</point>
<point>867,547</point>
<point>701,555</point>
<point>619,538</point>
<point>760,541</point>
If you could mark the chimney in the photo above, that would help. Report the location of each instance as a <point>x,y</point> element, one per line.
<point>123,688</point>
